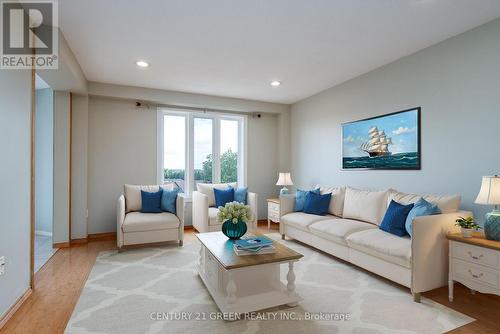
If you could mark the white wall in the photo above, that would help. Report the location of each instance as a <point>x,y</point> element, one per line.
<point>61,166</point>
<point>44,171</point>
<point>80,113</point>
<point>457,84</point>
<point>15,125</point>
<point>123,145</point>
<point>122,149</point>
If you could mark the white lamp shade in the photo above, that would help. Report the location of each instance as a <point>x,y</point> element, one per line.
<point>284,180</point>
<point>490,191</point>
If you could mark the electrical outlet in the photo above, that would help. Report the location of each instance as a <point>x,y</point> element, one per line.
<point>2,265</point>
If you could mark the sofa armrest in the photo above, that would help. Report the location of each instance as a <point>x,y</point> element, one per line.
<point>429,249</point>
<point>200,211</point>
<point>180,208</point>
<point>252,201</point>
<point>287,203</point>
<point>120,218</point>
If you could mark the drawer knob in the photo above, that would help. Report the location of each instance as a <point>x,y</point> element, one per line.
<point>474,275</point>
<point>475,257</point>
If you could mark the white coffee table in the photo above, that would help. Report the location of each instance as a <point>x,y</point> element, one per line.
<point>241,284</point>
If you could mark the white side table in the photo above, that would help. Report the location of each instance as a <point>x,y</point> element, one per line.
<point>273,211</point>
<point>474,262</point>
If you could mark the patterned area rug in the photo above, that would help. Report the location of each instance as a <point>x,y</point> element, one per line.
<point>157,290</point>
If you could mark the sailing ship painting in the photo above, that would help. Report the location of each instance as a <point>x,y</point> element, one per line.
<point>384,142</point>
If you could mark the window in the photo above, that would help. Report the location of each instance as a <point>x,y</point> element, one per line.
<point>196,148</point>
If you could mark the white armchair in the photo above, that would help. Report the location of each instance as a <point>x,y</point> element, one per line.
<point>205,211</point>
<point>134,227</point>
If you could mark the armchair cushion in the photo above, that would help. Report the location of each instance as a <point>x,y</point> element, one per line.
<point>223,196</point>
<point>151,201</point>
<point>208,189</point>
<point>240,195</point>
<point>132,194</point>
<point>140,222</point>
<point>169,200</point>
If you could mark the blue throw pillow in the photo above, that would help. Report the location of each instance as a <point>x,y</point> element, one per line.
<point>317,204</point>
<point>300,198</point>
<point>240,195</point>
<point>421,208</point>
<point>169,200</point>
<point>395,218</point>
<point>151,202</point>
<point>223,196</point>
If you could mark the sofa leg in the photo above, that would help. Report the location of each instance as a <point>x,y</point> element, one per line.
<point>120,249</point>
<point>283,236</point>
<point>181,243</point>
<point>416,297</point>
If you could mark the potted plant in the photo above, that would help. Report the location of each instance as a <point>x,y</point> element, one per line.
<point>234,216</point>
<point>467,226</point>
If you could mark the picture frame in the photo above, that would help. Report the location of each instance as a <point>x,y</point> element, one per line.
<point>385,142</point>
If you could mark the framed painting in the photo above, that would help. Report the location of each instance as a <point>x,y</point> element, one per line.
<point>389,141</point>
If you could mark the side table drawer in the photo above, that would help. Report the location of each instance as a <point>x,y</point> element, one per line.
<point>476,255</point>
<point>273,207</point>
<point>476,273</point>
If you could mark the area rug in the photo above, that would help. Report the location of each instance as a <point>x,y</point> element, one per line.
<point>157,290</point>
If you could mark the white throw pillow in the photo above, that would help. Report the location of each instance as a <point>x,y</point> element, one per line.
<point>365,205</point>
<point>447,204</point>
<point>133,201</point>
<point>208,189</point>
<point>337,202</point>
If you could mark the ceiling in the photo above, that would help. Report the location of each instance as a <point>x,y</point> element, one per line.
<point>235,48</point>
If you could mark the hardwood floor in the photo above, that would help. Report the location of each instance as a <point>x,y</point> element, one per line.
<point>60,281</point>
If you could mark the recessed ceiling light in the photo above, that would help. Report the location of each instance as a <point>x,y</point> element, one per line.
<point>142,63</point>
<point>275,83</point>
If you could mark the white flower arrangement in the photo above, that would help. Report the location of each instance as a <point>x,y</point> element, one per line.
<point>234,211</point>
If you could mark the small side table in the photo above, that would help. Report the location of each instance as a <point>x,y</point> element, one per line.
<point>273,211</point>
<point>474,262</point>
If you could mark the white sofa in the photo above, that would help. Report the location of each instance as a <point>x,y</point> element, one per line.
<point>350,232</point>
<point>135,228</point>
<point>205,211</point>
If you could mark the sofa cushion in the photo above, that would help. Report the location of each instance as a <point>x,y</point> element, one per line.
<point>151,201</point>
<point>208,189</point>
<point>317,204</point>
<point>300,198</point>
<point>421,208</point>
<point>395,218</point>
<point>337,202</point>
<point>447,203</point>
<point>338,229</point>
<point>365,205</point>
<point>301,220</point>
<point>140,222</point>
<point>383,245</point>
<point>212,216</point>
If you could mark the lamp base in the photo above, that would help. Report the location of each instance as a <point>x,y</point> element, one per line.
<point>284,191</point>
<point>492,225</point>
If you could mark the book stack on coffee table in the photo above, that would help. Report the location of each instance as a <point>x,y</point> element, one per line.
<point>254,246</point>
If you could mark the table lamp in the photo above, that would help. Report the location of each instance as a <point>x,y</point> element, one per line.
<point>489,194</point>
<point>284,180</point>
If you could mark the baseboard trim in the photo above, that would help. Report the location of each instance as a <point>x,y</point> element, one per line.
<point>79,241</point>
<point>61,244</point>
<point>12,310</point>
<point>102,236</point>
<point>44,233</point>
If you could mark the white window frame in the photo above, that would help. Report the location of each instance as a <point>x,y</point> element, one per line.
<point>189,140</point>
